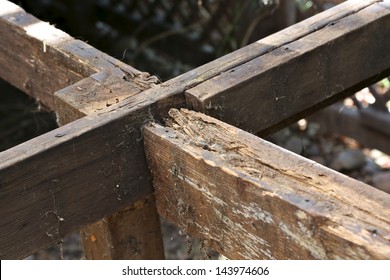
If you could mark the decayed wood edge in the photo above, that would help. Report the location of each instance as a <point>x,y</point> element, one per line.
<point>348,122</point>
<point>45,161</point>
<point>250,199</point>
<point>33,52</point>
<point>301,77</point>
<point>58,182</point>
<point>131,233</point>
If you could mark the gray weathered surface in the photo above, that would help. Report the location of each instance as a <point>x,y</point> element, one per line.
<point>249,199</point>
<point>40,59</point>
<point>292,81</point>
<point>56,183</point>
<point>133,232</point>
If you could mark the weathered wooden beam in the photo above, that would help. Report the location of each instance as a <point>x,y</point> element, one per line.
<point>78,174</point>
<point>40,59</point>
<point>348,122</point>
<point>93,95</point>
<point>56,183</point>
<point>133,232</point>
<point>250,199</point>
<point>294,80</point>
<point>35,52</point>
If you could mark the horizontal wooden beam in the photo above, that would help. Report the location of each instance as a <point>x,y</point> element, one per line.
<point>56,183</point>
<point>250,199</point>
<point>77,174</point>
<point>294,80</point>
<point>35,52</point>
<point>133,232</point>
<point>348,122</point>
<point>40,59</point>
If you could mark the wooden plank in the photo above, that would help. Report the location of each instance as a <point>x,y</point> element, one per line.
<point>56,183</point>
<point>250,199</point>
<point>346,121</point>
<point>299,78</point>
<point>131,233</point>
<point>43,175</point>
<point>34,52</point>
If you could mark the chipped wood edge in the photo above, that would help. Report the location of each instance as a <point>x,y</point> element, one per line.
<point>249,199</point>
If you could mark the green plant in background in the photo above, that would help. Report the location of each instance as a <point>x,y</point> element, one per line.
<point>385,83</point>
<point>304,5</point>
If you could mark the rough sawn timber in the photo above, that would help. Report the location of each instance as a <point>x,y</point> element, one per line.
<point>299,78</point>
<point>250,199</point>
<point>33,52</point>
<point>133,232</point>
<point>76,175</point>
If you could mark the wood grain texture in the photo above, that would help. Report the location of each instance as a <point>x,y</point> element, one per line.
<point>93,94</point>
<point>348,122</point>
<point>282,86</point>
<point>26,65</point>
<point>56,183</point>
<point>133,232</point>
<point>40,59</point>
<point>250,199</point>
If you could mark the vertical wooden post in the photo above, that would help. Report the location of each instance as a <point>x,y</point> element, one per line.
<point>134,232</point>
